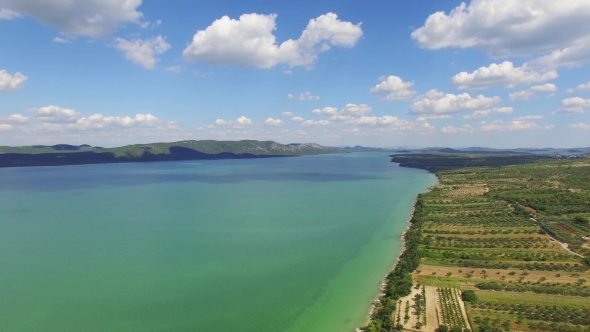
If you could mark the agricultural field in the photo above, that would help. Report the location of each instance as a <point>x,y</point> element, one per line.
<point>501,248</point>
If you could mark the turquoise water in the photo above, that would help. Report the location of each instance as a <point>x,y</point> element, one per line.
<point>281,244</point>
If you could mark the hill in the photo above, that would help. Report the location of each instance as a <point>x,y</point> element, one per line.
<point>63,154</point>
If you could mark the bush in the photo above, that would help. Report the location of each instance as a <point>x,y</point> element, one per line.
<point>581,220</point>
<point>469,296</point>
<point>443,328</point>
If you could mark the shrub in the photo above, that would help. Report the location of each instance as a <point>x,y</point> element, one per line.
<point>469,296</point>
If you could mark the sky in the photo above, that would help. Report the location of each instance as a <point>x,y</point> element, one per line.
<point>386,73</point>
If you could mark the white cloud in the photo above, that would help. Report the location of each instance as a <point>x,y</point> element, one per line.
<point>16,118</point>
<point>508,27</point>
<point>581,87</point>
<point>339,117</point>
<point>504,74</point>
<point>356,110</point>
<point>434,117</point>
<point>249,41</point>
<point>529,117</point>
<point>314,123</point>
<point>575,102</point>
<point>97,121</point>
<point>580,125</point>
<point>391,123</point>
<point>92,18</point>
<point>456,130</point>
<point>244,121</point>
<point>143,52</point>
<point>174,69</point>
<point>7,14</point>
<point>303,96</point>
<point>393,88</point>
<point>500,125</point>
<point>568,57</point>
<point>531,92</point>
<point>273,122</point>
<point>575,105</point>
<point>484,113</point>
<point>11,82</point>
<point>287,114</point>
<point>297,119</point>
<point>5,127</point>
<point>61,40</point>
<point>435,102</point>
<point>221,122</point>
<point>325,111</point>
<point>54,113</point>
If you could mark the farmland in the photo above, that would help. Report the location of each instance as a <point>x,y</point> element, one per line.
<point>514,237</point>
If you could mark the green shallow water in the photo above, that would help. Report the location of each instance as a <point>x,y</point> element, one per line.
<point>281,244</point>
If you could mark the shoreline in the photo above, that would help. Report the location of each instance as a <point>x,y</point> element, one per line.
<point>384,281</point>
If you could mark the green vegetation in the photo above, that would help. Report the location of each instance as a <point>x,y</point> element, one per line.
<point>490,227</point>
<point>184,150</point>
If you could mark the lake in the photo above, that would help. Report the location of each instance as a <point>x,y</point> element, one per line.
<point>277,244</point>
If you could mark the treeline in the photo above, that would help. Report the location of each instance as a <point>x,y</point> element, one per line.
<point>524,266</point>
<point>399,282</point>
<point>442,161</point>
<point>535,288</point>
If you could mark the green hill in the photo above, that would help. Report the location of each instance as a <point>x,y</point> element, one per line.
<point>63,154</point>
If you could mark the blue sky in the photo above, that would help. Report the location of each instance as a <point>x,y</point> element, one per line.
<point>497,73</point>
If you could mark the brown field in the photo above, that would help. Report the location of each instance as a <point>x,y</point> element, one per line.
<point>563,228</point>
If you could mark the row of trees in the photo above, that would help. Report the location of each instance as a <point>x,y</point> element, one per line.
<point>399,281</point>
<point>570,290</point>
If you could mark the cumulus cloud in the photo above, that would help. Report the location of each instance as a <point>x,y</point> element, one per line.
<point>304,96</point>
<point>507,27</point>
<point>435,102</point>
<point>297,119</point>
<point>575,105</point>
<point>238,123</point>
<point>273,122</point>
<point>394,88</point>
<point>484,113</point>
<point>434,117</point>
<point>143,52</point>
<point>97,121</point>
<point>529,117</point>
<point>325,111</point>
<point>456,130</point>
<point>54,113</point>
<point>92,18</point>
<point>500,125</point>
<point>15,118</point>
<point>314,123</point>
<point>5,127</point>
<point>287,114</point>
<point>10,82</point>
<point>249,41</point>
<point>356,110</point>
<point>532,92</point>
<point>580,125</point>
<point>581,87</point>
<point>504,74</point>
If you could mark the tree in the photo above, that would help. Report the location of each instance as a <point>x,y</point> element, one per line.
<point>457,329</point>
<point>469,296</point>
<point>581,220</point>
<point>443,328</point>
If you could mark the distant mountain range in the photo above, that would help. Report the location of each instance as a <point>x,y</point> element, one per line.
<point>480,150</point>
<point>63,154</point>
